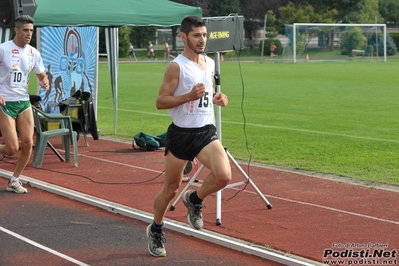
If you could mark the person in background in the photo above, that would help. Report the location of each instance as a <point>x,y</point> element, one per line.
<point>150,50</point>
<point>17,59</point>
<point>131,52</point>
<point>166,51</point>
<point>187,92</point>
<point>272,49</point>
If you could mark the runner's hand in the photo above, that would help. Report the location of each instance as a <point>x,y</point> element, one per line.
<point>197,91</point>
<point>220,99</point>
<point>44,84</point>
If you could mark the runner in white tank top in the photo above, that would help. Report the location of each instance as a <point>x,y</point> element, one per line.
<point>196,113</point>
<point>187,92</point>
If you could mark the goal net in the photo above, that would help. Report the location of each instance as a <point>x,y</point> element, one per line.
<point>317,41</point>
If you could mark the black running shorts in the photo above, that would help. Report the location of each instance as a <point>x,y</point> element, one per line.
<point>186,143</point>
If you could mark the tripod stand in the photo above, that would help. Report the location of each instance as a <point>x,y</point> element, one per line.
<point>194,182</point>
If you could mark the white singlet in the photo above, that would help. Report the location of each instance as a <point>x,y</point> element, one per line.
<point>15,65</point>
<point>197,113</point>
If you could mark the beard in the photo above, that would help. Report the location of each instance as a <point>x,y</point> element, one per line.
<point>194,48</point>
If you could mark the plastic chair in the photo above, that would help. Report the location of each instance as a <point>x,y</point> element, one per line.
<point>73,111</point>
<point>42,135</point>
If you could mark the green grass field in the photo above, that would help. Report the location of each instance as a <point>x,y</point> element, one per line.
<point>339,118</point>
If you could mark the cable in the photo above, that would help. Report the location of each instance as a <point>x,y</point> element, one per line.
<point>85,177</point>
<point>244,128</point>
<point>243,115</point>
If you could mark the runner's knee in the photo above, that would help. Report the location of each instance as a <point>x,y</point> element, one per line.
<point>170,192</point>
<point>27,143</point>
<point>10,150</point>
<point>223,179</point>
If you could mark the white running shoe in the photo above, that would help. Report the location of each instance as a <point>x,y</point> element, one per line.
<point>16,187</point>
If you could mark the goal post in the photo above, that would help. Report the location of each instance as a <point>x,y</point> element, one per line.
<point>322,41</point>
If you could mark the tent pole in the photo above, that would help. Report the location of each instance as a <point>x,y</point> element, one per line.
<point>111,36</point>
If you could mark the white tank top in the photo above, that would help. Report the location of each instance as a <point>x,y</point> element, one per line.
<point>15,65</point>
<point>197,113</point>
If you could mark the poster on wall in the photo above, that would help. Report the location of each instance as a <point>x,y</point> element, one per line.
<point>70,57</point>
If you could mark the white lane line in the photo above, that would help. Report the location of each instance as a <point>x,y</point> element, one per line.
<point>42,247</point>
<point>124,164</point>
<point>143,216</point>
<point>268,196</point>
<point>314,132</point>
<point>213,237</point>
<point>334,209</point>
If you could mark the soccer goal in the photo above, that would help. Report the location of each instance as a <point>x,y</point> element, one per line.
<point>318,41</point>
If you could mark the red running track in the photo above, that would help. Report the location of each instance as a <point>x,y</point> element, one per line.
<point>312,217</point>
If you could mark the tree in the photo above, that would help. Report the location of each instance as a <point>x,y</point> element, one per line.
<point>352,38</point>
<point>225,7</point>
<point>342,6</point>
<point>389,10</point>
<point>305,13</point>
<point>271,18</point>
<point>270,25</point>
<point>366,12</point>
<point>351,11</point>
<point>203,4</point>
<point>140,36</point>
<point>254,14</point>
<point>253,11</point>
<point>123,34</point>
<point>377,41</point>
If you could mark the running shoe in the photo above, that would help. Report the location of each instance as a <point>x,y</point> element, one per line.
<point>16,187</point>
<point>156,243</point>
<point>194,211</point>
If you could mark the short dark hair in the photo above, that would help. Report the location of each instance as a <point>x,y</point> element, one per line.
<point>191,21</point>
<point>24,19</point>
